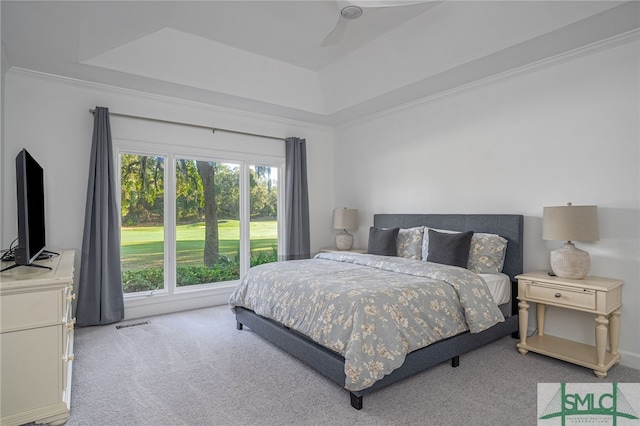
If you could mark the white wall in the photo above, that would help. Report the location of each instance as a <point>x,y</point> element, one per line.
<point>567,131</point>
<point>4,67</point>
<point>50,117</point>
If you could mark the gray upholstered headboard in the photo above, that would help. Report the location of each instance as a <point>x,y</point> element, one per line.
<point>506,225</point>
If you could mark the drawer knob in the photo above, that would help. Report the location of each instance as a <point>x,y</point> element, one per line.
<point>70,357</point>
<point>72,297</point>
<point>558,295</point>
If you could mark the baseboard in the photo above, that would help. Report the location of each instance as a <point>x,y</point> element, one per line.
<point>630,359</point>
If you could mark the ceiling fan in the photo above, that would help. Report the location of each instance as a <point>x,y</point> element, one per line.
<point>350,10</point>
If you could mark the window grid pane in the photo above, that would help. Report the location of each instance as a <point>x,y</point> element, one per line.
<point>207,222</point>
<point>263,188</point>
<point>142,218</point>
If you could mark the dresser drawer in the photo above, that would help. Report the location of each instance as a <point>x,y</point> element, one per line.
<point>560,295</point>
<point>28,310</point>
<point>30,367</point>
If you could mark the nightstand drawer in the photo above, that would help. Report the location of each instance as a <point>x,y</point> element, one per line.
<point>559,295</point>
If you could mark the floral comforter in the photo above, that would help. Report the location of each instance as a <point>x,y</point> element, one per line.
<point>372,310</point>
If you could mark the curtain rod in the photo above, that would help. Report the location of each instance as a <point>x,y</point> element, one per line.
<point>213,129</point>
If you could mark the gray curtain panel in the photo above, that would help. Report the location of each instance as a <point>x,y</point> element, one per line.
<point>100,298</point>
<point>297,243</point>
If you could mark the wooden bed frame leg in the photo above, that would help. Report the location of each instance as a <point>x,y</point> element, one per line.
<point>238,325</point>
<point>455,361</point>
<point>356,401</point>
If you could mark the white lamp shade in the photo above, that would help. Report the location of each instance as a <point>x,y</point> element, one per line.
<point>570,223</point>
<point>345,218</point>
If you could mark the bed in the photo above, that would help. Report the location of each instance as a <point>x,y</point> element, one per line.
<point>329,361</point>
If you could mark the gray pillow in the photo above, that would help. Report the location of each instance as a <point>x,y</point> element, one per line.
<point>449,249</point>
<point>382,241</point>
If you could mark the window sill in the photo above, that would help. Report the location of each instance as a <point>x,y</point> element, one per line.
<point>158,303</point>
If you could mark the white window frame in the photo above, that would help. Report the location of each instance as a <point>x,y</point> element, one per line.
<point>220,290</point>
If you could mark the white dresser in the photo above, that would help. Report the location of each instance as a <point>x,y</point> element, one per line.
<point>36,346</point>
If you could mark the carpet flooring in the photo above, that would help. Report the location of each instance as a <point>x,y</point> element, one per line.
<point>195,368</point>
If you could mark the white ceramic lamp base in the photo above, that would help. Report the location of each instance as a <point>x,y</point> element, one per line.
<point>570,262</point>
<point>344,241</point>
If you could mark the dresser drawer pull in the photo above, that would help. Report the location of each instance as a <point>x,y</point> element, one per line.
<point>558,295</point>
<point>69,357</point>
<point>72,297</point>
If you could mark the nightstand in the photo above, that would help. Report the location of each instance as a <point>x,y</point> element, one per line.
<point>599,296</point>
<point>333,249</point>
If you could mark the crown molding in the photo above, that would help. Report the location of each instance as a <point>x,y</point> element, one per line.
<point>166,99</point>
<point>550,61</point>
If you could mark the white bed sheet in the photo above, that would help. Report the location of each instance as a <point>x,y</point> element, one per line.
<point>499,286</point>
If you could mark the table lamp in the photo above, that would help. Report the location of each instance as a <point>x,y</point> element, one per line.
<point>570,223</point>
<point>344,218</point>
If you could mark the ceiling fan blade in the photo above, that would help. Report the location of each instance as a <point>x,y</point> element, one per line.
<point>385,3</point>
<point>335,35</point>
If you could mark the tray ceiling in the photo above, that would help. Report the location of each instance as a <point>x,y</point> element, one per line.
<point>266,56</point>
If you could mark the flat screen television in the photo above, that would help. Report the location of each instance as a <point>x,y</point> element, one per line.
<point>31,217</point>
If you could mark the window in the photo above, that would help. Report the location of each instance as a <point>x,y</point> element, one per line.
<point>191,222</point>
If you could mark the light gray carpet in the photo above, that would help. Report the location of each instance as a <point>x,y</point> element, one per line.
<point>195,368</point>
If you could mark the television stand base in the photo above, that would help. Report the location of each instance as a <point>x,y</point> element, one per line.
<point>33,265</point>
